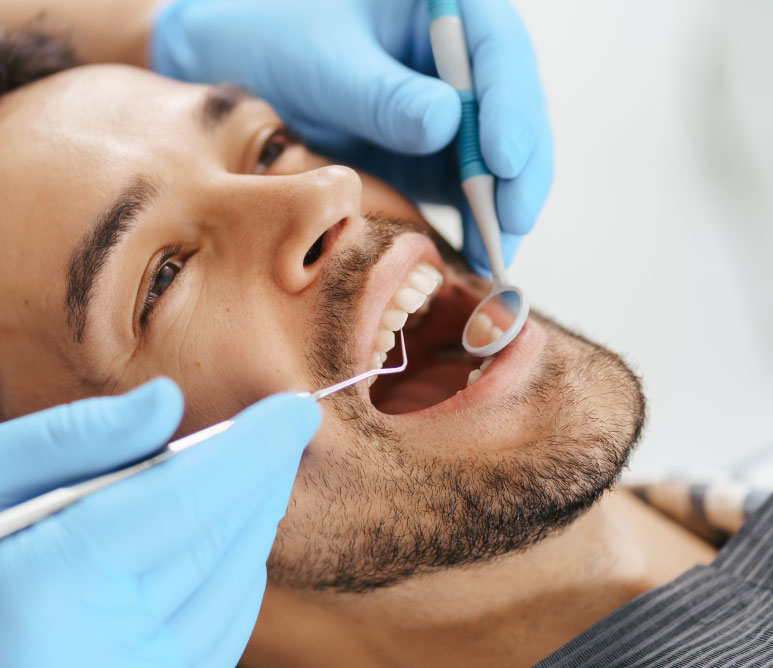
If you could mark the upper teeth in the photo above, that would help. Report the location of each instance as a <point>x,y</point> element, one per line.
<point>482,330</point>
<point>394,319</point>
<point>486,363</point>
<point>408,299</point>
<point>413,293</point>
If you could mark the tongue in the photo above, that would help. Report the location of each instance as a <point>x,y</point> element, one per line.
<point>427,387</point>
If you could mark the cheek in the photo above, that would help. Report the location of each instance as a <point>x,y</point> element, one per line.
<point>238,357</point>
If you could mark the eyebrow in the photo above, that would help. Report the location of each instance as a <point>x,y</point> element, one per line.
<point>90,256</point>
<point>218,104</point>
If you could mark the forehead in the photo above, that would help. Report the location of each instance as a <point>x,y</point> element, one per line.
<point>92,122</point>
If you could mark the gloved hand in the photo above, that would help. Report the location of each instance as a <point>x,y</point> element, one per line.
<point>166,568</point>
<point>354,70</point>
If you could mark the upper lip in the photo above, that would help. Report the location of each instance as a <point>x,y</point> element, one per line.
<point>407,250</point>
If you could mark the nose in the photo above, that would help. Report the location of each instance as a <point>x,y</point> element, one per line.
<point>301,219</point>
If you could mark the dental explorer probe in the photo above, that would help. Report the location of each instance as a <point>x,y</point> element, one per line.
<point>29,512</point>
<point>452,59</point>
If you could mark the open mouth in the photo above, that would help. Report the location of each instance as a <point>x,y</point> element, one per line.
<point>432,313</point>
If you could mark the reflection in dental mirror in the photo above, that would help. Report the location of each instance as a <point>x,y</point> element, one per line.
<point>496,321</point>
<point>499,317</point>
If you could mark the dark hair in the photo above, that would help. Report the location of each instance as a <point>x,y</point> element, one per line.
<point>31,54</point>
<point>26,56</point>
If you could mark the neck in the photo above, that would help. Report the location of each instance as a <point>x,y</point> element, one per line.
<point>512,611</point>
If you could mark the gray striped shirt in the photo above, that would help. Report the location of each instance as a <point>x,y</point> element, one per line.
<point>716,615</point>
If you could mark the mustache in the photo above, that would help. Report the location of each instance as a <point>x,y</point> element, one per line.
<point>343,286</point>
<point>330,356</point>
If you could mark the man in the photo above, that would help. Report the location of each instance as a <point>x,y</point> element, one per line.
<point>425,527</point>
<point>298,53</point>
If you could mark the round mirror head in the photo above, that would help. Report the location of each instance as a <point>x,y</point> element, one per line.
<point>495,322</point>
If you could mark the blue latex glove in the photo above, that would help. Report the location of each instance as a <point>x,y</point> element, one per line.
<point>166,568</point>
<point>354,70</point>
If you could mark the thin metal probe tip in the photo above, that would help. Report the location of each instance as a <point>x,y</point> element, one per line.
<point>327,391</point>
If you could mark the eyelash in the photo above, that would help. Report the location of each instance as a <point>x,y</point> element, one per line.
<point>150,299</point>
<point>282,138</point>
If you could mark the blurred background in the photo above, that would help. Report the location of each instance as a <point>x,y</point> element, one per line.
<point>657,238</point>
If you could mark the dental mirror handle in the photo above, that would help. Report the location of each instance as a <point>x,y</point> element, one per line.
<point>452,59</point>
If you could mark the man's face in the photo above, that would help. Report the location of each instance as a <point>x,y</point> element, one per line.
<point>152,227</point>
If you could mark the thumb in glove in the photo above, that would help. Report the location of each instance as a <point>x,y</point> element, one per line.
<point>45,450</point>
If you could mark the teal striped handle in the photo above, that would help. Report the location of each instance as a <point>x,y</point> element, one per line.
<point>438,8</point>
<point>468,140</point>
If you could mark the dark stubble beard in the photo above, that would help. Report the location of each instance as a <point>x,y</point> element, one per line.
<point>435,515</point>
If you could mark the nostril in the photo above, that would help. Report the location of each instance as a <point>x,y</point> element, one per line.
<point>325,243</point>
<point>314,253</point>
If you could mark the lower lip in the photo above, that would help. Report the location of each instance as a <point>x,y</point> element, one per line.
<point>509,370</point>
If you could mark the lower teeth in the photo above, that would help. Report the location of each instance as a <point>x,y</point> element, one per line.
<point>487,363</point>
<point>475,374</point>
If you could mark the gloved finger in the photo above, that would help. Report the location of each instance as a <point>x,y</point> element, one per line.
<point>174,581</point>
<point>234,641</point>
<point>142,521</point>
<point>394,106</point>
<point>45,450</point>
<point>520,200</point>
<point>510,244</point>
<point>240,573</point>
<point>507,84</point>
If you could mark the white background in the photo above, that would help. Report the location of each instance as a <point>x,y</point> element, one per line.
<point>657,238</point>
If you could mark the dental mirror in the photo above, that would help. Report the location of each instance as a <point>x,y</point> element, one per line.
<point>498,319</point>
<point>500,316</point>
